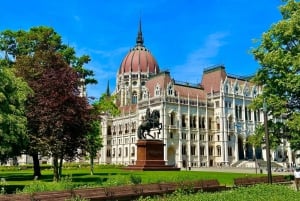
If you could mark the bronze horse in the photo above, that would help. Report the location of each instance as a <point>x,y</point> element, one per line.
<point>151,121</point>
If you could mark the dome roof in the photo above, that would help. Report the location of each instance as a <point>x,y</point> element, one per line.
<point>139,58</point>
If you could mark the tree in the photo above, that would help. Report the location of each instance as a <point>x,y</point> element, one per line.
<point>31,53</point>
<point>278,53</point>
<point>13,132</point>
<point>57,114</point>
<point>93,142</point>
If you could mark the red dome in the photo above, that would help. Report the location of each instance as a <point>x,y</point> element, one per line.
<point>139,58</point>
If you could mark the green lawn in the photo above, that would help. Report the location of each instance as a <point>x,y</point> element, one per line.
<point>107,176</point>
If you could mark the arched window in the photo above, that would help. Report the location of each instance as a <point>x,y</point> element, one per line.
<point>132,151</point>
<point>170,89</point>
<point>145,94</point>
<point>157,90</point>
<point>134,98</point>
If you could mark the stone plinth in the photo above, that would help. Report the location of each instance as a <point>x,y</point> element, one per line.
<point>150,156</point>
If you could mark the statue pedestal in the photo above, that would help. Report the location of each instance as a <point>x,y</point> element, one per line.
<point>150,156</point>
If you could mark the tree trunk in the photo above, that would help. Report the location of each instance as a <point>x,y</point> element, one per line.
<point>60,166</point>
<point>36,165</point>
<point>55,169</point>
<point>92,164</point>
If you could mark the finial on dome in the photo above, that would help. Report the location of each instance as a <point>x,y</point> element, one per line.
<point>139,39</point>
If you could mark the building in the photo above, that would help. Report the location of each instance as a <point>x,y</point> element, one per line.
<point>203,125</point>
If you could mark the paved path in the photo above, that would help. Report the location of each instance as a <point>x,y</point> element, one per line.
<point>234,169</point>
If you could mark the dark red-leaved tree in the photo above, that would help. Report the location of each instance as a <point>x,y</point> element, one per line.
<point>57,112</point>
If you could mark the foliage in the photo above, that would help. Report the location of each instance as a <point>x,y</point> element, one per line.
<point>135,179</point>
<point>258,193</point>
<point>13,132</point>
<point>93,142</point>
<point>39,186</point>
<point>106,105</point>
<point>279,56</point>
<point>57,116</point>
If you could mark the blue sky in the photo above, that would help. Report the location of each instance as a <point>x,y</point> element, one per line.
<point>184,36</point>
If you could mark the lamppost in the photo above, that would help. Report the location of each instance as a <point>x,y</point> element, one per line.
<point>267,142</point>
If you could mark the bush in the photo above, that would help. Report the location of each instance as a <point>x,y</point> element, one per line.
<point>135,179</point>
<point>39,186</point>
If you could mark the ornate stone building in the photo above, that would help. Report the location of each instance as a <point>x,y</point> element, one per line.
<point>203,125</point>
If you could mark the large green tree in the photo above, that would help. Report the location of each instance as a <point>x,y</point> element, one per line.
<point>13,122</point>
<point>278,53</point>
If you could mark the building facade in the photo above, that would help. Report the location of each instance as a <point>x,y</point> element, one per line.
<point>202,125</point>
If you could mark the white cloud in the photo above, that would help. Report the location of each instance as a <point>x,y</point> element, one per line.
<point>200,58</point>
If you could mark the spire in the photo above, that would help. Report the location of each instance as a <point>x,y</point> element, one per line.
<point>107,89</point>
<point>139,38</point>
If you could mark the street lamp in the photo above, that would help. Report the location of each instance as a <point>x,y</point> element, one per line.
<point>267,142</point>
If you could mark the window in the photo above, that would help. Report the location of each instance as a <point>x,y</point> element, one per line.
<point>217,104</point>
<point>202,148</point>
<point>170,89</point>
<point>172,118</point>
<point>157,90</point>
<point>183,136</point>
<point>171,135</point>
<point>133,127</point>
<point>145,94</point>
<point>219,150</point>
<point>183,151</point>
<point>218,123</point>
<point>132,151</point>
<point>120,152</point>
<point>194,122</point>
<point>236,89</point>
<point>114,152</point>
<point>193,150</point>
<point>108,154</point>
<point>210,138</point>
<point>201,137</point>
<point>210,150</point>
<point>126,151</point>
<point>229,151</point>
<point>109,130</point>
<point>193,136</point>
<point>183,120</point>
<point>218,137</point>
<point>126,128</point>
<point>134,98</point>
<point>240,112</point>
<point>226,88</point>
<point>249,114</point>
<point>209,123</point>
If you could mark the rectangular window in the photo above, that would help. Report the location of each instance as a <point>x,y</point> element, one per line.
<point>229,151</point>
<point>193,150</point>
<point>202,148</point>
<point>183,120</point>
<point>210,151</point>
<point>183,151</point>
<point>201,137</point>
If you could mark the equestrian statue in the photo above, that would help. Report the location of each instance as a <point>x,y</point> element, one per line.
<point>151,122</point>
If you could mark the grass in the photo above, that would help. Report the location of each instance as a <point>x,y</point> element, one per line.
<point>104,176</point>
<point>261,192</point>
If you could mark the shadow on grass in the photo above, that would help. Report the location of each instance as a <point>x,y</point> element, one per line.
<point>9,189</point>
